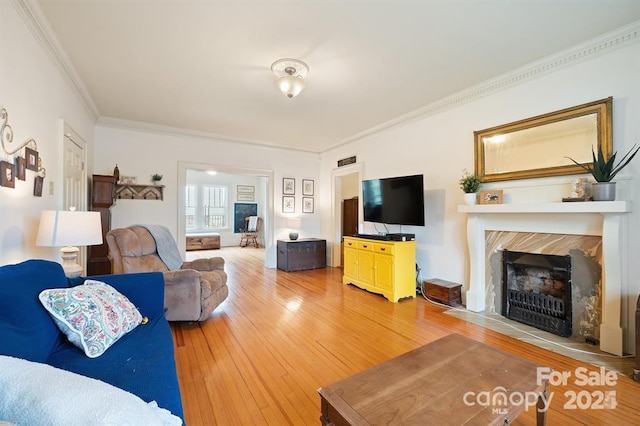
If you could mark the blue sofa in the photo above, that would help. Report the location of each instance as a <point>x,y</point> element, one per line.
<point>141,362</point>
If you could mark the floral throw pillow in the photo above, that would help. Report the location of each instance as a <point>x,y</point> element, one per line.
<point>93,315</point>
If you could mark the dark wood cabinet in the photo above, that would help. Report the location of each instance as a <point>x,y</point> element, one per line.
<point>102,196</point>
<point>298,255</point>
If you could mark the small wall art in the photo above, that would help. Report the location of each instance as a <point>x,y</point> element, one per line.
<point>32,159</point>
<point>38,182</point>
<point>288,186</point>
<point>7,171</point>
<point>288,204</point>
<point>246,197</point>
<point>246,189</point>
<point>307,204</point>
<point>21,168</point>
<point>307,187</point>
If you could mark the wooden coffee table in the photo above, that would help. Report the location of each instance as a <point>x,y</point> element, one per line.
<point>438,383</point>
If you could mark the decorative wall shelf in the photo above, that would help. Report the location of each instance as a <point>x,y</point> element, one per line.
<point>139,192</point>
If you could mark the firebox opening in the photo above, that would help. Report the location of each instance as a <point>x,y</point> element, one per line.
<point>536,290</point>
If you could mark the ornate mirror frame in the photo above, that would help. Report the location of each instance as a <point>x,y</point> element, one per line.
<point>538,146</point>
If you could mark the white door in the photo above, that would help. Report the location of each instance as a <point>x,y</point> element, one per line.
<point>74,191</point>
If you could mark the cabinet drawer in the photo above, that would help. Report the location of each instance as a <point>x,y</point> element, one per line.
<point>350,243</point>
<point>383,248</point>
<point>368,246</point>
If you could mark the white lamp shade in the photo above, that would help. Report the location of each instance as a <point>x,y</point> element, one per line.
<point>69,228</point>
<point>293,222</point>
<point>291,85</point>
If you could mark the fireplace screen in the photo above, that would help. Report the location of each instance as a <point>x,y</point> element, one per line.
<point>536,290</point>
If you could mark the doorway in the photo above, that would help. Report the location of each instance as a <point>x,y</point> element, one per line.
<point>346,184</point>
<point>74,189</point>
<point>183,167</point>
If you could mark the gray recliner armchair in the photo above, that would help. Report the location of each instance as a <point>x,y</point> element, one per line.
<point>191,292</point>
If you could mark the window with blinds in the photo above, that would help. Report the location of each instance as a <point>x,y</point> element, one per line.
<point>215,207</point>
<point>206,207</point>
<point>190,202</point>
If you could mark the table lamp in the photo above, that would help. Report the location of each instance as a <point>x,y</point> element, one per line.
<point>293,223</point>
<point>68,229</point>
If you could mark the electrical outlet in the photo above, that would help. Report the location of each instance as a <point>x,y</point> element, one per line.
<point>50,187</point>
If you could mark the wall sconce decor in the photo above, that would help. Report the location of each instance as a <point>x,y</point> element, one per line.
<point>16,169</point>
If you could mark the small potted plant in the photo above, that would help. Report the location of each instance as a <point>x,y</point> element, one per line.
<point>603,171</point>
<point>470,183</point>
<point>155,178</point>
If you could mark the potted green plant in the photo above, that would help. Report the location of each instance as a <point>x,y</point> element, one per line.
<point>604,170</point>
<point>155,178</point>
<point>469,183</point>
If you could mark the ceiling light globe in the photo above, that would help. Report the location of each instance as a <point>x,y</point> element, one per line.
<point>291,85</point>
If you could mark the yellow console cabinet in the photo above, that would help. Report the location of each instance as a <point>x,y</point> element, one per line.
<point>384,267</point>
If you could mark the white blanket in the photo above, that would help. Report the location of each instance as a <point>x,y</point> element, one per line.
<point>253,224</point>
<point>39,394</point>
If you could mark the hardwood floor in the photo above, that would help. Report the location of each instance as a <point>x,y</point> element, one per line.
<point>280,336</point>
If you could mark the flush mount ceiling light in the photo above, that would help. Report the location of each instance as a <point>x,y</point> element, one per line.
<point>290,74</point>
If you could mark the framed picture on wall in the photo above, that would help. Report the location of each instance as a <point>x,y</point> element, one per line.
<point>288,204</point>
<point>32,159</point>
<point>246,197</point>
<point>240,211</point>
<point>37,186</point>
<point>307,187</point>
<point>288,186</point>
<point>307,204</point>
<point>21,167</point>
<point>246,189</point>
<point>8,177</point>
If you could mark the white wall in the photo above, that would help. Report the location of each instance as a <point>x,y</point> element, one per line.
<point>441,145</point>
<point>141,154</point>
<point>36,98</point>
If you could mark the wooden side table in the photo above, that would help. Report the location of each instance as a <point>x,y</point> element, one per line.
<point>437,383</point>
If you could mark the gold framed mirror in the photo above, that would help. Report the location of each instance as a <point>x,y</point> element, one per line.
<point>538,146</point>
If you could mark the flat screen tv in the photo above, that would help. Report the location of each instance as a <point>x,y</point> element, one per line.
<point>396,200</point>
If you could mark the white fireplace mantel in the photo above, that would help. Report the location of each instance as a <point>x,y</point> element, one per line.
<point>577,207</point>
<point>603,218</point>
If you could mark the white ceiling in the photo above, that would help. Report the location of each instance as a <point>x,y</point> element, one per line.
<point>204,65</point>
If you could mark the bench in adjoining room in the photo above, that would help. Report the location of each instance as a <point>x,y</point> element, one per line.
<point>203,242</point>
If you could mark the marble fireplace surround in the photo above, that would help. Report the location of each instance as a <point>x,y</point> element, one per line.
<point>602,218</point>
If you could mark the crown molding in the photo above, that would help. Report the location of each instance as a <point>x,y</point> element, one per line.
<point>603,44</point>
<point>140,126</point>
<point>34,19</point>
